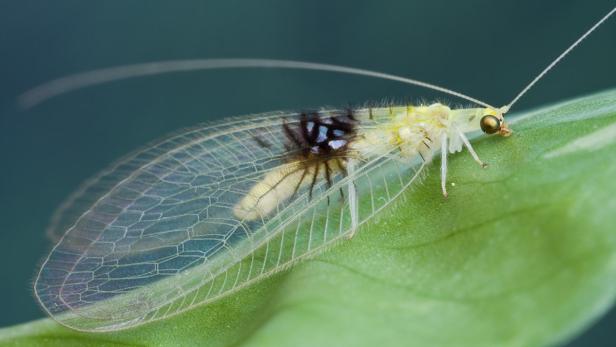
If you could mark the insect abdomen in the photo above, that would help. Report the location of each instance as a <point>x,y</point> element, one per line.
<point>263,198</point>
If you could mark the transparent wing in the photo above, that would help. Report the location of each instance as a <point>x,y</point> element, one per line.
<point>82,199</point>
<point>158,234</point>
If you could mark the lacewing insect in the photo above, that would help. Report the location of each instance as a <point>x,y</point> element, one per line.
<point>210,210</point>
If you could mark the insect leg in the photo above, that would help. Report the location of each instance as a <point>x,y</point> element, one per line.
<point>328,177</point>
<point>299,183</point>
<point>315,176</point>
<point>353,207</point>
<point>328,174</point>
<point>444,164</point>
<point>344,174</point>
<point>341,166</point>
<point>470,148</point>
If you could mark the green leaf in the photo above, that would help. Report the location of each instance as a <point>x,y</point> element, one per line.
<point>522,253</point>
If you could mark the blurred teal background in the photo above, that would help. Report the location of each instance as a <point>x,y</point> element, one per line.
<point>486,49</point>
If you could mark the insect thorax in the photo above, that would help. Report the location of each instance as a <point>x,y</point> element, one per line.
<point>405,131</point>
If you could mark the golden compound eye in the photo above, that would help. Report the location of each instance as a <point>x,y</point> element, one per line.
<point>490,124</point>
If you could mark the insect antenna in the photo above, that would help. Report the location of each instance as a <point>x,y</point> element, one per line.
<point>507,107</point>
<point>90,78</point>
<point>78,81</point>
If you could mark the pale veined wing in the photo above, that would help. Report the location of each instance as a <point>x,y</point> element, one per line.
<point>90,191</point>
<point>187,220</point>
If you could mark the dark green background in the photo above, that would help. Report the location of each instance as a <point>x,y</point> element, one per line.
<point>488,49</point>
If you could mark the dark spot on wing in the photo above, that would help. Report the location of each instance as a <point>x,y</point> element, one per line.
<point>320,141</point>
<point>261,142</point>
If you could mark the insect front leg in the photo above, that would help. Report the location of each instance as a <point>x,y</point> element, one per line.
<point>470,149</point>
<point>353,203</point>
<point>444,139</point>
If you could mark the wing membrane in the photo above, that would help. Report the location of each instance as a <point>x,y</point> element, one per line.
<point>93,189</point>
<point>160,235</point>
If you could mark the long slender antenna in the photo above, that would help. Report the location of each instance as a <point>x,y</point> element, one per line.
<point>559,58</point>
<point>70,83</point>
